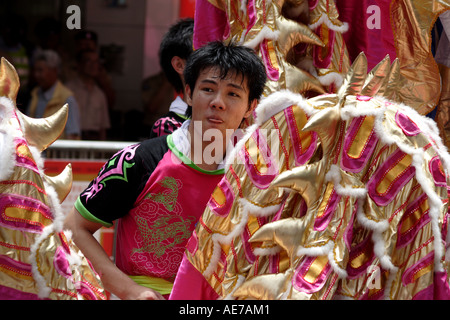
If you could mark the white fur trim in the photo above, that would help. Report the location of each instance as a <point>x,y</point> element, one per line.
<point>325,250</point>
<point>7,134</point>
<point>265,33</point>
<point>232,156</point>
<point>243,7</point>
<point>56,227</point>
<point>258,211</point>
<point>334,176</point>
<point>324,19</point>
<point>7,154</point>
<point>267,251</point>
<point>429,128</point>
<point>341,273</point>
<point>43,290</point>
<point>219,239</point>
<point>316,251</point>
<point>378,228</point>
<point>332,77</point>
<point>6,110</point>
<point>278,101</point>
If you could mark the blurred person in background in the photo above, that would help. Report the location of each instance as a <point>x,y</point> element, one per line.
<point>88,40</point>
<point>92,101</point>
<point>174,50</point>
<point>50,94</point>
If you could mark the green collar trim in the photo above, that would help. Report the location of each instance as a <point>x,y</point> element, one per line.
<point>182,116</point>
<point>188,161</point>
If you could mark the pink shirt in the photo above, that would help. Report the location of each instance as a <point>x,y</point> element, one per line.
<point>155,232</point>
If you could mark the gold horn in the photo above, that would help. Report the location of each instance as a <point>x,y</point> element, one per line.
<point>292,33</point>
<point>395,82</point>
<point>306,180</point>
<point>265,287</point>
<point>300,81</point>
<point>62,183</point>
<point>377,78</point>
<point>9,80</point>
<point>41,133</point>
<point>326,124</point>
<point>355,78</point>
<point>286,233</point>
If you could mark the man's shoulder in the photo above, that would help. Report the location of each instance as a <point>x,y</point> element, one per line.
<point>154,147</point>
<point>154,141</point>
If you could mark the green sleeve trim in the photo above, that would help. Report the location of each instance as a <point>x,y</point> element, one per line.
<point>163,286</point>
<point>188,161</point>
<point>88,216</point>
<point>182,116</point>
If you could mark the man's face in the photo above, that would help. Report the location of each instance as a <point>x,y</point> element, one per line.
<point>90,64</point>
<point>219,103</point>
<point>86,44</point>
<point>44,75</point>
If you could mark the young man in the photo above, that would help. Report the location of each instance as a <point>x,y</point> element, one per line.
<point>174,50</point>
<point>156,189</point>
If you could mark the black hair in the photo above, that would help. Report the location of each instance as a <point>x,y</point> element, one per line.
<point>228,59</point>
<point>177,42</point>
<point>86,34</point>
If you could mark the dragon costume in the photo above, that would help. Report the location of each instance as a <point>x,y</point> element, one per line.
<point>38,260</point>
<point>340,187</point>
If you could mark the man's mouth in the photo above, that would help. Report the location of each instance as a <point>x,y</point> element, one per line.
<point>215,120</point>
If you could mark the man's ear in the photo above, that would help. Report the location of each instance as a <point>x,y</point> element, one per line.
<point>251,107</point>
<point>178,64</point>
<point>187,90</point>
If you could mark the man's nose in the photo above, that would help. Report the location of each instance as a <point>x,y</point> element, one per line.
<point>218,102</point>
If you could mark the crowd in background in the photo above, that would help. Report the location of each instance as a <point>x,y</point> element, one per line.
<point>52,76</point>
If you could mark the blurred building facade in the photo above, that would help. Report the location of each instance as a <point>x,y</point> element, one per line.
<point>129,33</point>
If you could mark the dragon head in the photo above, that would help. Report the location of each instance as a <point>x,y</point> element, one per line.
<point>39,260</point>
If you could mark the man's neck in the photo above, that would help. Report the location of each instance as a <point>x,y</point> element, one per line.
<point>48,88</point>
<point>203,153</point>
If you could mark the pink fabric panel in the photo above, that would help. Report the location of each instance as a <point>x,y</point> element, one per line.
<point>303,285</point>
<point>7,293</point>
<point>408,126</point>
<point>211,24</point>
<point>321,223</point>
<point>441,287</point>
<point>223,209</point>
<point>376,42</point>
<point>353,164</point>
<point>191,285</point>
